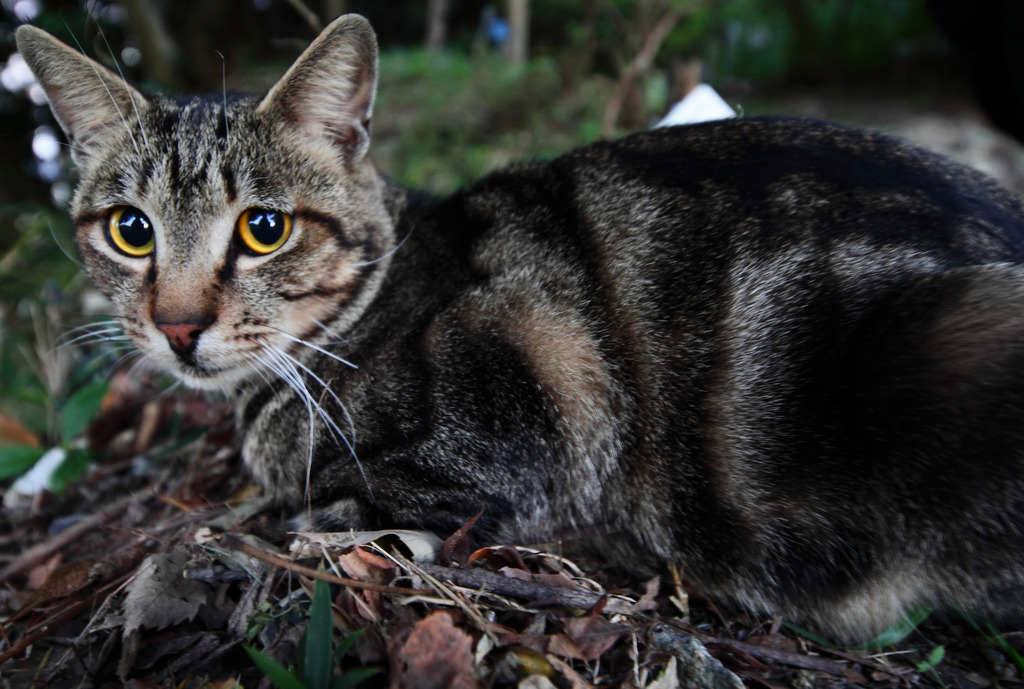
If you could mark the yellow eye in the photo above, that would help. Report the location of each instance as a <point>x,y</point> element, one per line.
<point>130,232</point>
<point>263,231</point>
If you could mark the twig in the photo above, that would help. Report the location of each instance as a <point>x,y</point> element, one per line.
<point>307,14</point>
<point>775,655</point>
<point>41,551</point>
<point>519,588</point>
<point>45,627</point>
<point>237,544</point>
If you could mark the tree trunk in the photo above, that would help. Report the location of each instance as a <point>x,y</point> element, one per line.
<point>519,24</point>
<point>437,25</point>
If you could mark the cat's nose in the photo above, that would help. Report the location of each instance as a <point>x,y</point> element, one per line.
<point>181,336</point>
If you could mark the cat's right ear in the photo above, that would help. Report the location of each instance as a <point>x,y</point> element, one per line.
<point>329,91</point>
<point>89,101</point>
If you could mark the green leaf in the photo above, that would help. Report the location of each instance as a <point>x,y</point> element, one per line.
<point>81,408</point>
<point>353,677</point>
<point>900,629</point>
<point>15,460</point>
<point>74,465</point>
<point>278,674</point>
<point>1007,648</point>
<point>808,635</point>
<point>934,658</point>
<point>317,655</point>
<point>349,641</point>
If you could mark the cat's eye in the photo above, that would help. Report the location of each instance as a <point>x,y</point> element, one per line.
<point>130,232</point>
<point>263,231</point>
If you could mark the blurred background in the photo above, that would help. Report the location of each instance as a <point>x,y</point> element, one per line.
<point>470,85</point>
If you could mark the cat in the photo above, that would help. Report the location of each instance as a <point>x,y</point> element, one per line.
<point>787,354</point>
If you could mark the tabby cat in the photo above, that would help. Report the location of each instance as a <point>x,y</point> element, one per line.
<point>787,354</point>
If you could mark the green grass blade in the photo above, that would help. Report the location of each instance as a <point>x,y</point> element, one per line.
<point>15,460</point>
<point>1006,647</point>
<point>808,635</point>
<point>318,659</point>
<point>81,408</point>
<point>900,629</point>
<point>353,677</point>
<point>347,644</point>
<point>278,674</point>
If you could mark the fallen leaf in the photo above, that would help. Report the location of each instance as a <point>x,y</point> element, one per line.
<point>37,576</point>
<point>159,596</point>
<point>455,548</point>
<point>63,582</point>
<point>363,565</point>
<point>648,601</point>
<point>576,681</point>
<point>592,635</point>
<point>436,655</point>
<point>499,556</point>
<point>12,432</point>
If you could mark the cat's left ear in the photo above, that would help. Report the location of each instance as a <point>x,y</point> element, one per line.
<point>93,105</point>
<point>329,91</point>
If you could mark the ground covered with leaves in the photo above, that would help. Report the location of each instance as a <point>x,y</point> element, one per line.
<point>161,566</point>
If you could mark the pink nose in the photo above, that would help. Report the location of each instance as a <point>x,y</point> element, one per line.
<point>181,336</point>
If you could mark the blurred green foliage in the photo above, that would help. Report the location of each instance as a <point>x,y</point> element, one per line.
<point>442,118</point>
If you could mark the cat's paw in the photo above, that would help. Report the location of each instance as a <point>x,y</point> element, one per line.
<point>343,515</point>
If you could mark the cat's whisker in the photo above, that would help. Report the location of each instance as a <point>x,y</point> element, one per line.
<point>316,348</point>
<point>388,253</point>
<point>131,97</point>
<point>293,365</point>
<point>93,325</point>
<point>105,335</point>
<point>113,101</point>
<point>327,329</point>
<point>293,381</point>
<point>224,85</point>
<point>62,249</point>
<point>295,362</point>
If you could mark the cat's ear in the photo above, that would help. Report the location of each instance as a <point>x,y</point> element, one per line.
<point>89,101</point>
<point>329,91</point>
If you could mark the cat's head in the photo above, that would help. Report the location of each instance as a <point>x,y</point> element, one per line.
<point>226,228</point>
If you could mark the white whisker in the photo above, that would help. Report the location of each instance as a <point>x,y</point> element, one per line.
<point>286,361</point>
<point>106,88</point>
<point>224,85</point>
<point>294,381</point>
<point>319,349</point>
<point>131,97</point>
<point>395,248</point>
<point>62,249</point>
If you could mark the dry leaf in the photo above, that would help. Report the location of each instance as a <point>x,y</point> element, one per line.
<point>37,576</point>
<point>593,635</point>
<point>12,432</point>
<point>576,681</point>
<point>160,596</point>
<point>499,556</point>
<point>62,582</point>
<point>436,655</point>
<point>455,548</point>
